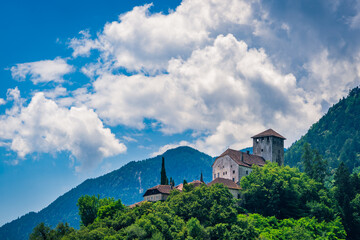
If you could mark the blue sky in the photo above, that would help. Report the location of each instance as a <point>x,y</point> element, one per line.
<point>87,86</point>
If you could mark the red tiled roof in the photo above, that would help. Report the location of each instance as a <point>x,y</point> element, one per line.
<point>196,183</point>
<point>268,133</point>
<point>135,204</point>
<point>243,159</point>
<point>180,187</point>
<point>227,182</point>
<point>164,189</point>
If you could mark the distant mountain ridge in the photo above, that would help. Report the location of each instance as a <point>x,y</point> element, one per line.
<point>127,183</point>
<point>336,135</point>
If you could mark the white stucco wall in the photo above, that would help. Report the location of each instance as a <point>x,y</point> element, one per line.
<point>225,167</point>
<point>244,171</point>
<point>156,197</point>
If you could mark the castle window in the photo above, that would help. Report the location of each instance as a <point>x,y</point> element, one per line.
<point>215,175</point>
<point>233,179</point>
<point>233,171</point>
<point>218,174</point>
<point>262,150</point>
<point>247,172</point>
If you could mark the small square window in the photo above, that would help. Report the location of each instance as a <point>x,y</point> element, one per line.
<point>247,172</point>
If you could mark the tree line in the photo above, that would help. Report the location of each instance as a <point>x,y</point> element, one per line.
<point>277,203</point>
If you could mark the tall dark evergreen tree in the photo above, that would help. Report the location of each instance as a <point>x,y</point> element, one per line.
<point>313,163</point>
<point>172,182</point>
<point>345,192</point>
<point>307,157</point>
<point>164,179</point>
<point>201,178</point>
<point>320,167</point>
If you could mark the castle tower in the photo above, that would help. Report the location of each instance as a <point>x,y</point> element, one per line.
<point>269,145</point>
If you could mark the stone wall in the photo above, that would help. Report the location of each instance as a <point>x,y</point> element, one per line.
<point>270,148</point>
<point>235,193</point>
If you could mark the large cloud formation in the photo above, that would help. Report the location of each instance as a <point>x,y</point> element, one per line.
<point>44,127</point>
<point>144,41</point>
<point>225,90</point>
<point>223,69</point>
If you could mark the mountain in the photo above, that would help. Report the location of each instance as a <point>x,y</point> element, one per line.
<point>127,183</point>
<point>336,135</point>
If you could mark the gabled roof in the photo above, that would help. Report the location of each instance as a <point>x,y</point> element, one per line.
<point>136,204</point>
<point>227,182</point>
<point>243,159</point>
<point>164,189</point>
<point>196,183</point>
<point>268,133</point>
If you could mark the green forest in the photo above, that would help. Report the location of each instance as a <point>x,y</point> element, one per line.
<point>336,136</point>
<point>277,203</point>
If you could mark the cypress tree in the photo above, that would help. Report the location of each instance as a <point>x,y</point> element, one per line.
<point>201,178</point>
<point>164,179</point>
<point>172,182</point>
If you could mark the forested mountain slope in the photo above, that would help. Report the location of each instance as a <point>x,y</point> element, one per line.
<point>127,183</point>
<point>336,135</point>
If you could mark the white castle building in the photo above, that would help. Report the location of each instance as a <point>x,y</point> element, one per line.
<point>233,164</point>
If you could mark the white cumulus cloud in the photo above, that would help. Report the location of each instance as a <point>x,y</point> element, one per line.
<point>42,71</point>
<point>44,127</point>
<point>144,41</point>
<point>226,91</point>
<point>332,77</point>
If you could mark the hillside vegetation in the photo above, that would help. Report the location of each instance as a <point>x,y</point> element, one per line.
<point>336,135</point>
<point>296,208</point>
<point>127,183</point>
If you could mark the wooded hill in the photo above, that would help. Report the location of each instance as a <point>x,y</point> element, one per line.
<point>336,135</point>
<point>127,183</point>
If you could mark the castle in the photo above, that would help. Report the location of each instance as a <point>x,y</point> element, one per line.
<point>232,165</point>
